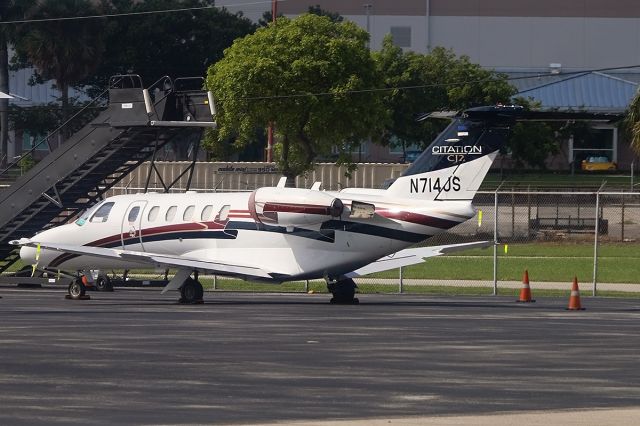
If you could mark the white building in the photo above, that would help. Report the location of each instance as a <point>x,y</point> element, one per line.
<point>520,37</point>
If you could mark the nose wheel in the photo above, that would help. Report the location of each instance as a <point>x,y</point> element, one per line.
<point>191,292</point>
<point>77,290</point>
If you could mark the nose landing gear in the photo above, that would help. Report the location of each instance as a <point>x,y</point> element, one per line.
<point>76,290</point>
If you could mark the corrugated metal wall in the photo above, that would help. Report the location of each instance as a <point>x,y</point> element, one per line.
<point>224,176</point>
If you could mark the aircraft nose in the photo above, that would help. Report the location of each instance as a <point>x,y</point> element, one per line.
<point>28,255</point>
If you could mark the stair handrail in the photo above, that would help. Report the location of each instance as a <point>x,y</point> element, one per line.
<point>50,134</point>
<point>167,89</point>
<point>119,78</point>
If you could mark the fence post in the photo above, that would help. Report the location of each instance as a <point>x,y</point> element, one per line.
<point>306,286</point>
<point>595,242</point>
<point>513,214</point>
<point>400,283</point>
<point>622,221</point>
<point>495,241</point>
<point>215,282</point>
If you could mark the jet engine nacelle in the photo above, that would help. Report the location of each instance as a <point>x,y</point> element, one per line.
<point>293,206</point>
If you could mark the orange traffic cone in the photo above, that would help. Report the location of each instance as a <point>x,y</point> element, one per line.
<point>574,299</point>
<point>525,291</point>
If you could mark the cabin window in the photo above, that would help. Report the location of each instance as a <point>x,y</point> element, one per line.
<point>171,213</point>
<point>153,213</point>
<point>133,214</point>
<point>84,217</point>
<point>206,213</point>
<point>188,213</point>
<point>102,214</point>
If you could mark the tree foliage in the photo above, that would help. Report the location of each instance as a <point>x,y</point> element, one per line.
<point>632,123</point>
<point>65,51</point>
<point>438,80</point>
<point>334,16</point>
<point>300,74</point>
<point>9,10</point>
<point>531,143</point>
<point>179,44</point>
<point>267,16</point>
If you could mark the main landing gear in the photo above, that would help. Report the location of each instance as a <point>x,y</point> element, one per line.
<point>191,291</point>
<point>343,291</point>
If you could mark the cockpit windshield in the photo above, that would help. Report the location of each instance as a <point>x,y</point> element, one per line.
<point>98,213</point>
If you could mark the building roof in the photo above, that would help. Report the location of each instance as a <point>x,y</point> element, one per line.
<point>590,91</point>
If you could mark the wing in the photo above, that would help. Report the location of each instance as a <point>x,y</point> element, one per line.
<point>154,259</point>
<point>413,256</point>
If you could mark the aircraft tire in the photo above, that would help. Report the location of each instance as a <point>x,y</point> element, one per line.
<point>343,292</point>
<point>103,283</point>
<point>76,289</point>
<point>191,292</point>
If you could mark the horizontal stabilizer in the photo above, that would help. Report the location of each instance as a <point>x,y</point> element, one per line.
<point>413,256</point>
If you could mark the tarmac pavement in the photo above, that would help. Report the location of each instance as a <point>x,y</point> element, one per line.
<point>138,357</point>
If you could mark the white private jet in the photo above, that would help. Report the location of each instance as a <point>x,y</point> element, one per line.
<point>278,234</point>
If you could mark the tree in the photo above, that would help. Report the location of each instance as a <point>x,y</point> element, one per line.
<point>632,123</point>
<point>179,44</point>
<point>531,143</point>
<point>305,75</point>
<point>9,10</point>
<point>334,16</point>
<point>66,51</point>
<point>267,16</point>
<point>439,80</point>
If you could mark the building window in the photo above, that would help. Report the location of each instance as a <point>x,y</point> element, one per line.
<point>401,36</point>
<point>595,141</point>
<point>29,141</point>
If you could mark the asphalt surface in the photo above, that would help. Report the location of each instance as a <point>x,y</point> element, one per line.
<point>138,357</point>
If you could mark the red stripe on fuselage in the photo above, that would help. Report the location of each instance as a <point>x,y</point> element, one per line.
<point>297,208</point>
<point>419,219</point>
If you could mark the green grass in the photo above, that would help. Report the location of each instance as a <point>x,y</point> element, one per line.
<point>564,249</point>
<point>555,180</point>
<point>617,263</point>
<point>614,270</point>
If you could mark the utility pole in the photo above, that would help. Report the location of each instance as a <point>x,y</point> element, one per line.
<point>274,14</point>
<point>367,10</point>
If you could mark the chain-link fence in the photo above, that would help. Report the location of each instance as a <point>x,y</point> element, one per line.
<point>555,236</point>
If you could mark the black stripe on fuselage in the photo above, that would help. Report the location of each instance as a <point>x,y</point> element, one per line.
<point>325,234</point>
<point>375,230</point>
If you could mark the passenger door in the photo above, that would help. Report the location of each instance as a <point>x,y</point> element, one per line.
<point>131,235</point>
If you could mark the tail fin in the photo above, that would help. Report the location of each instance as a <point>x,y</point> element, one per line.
<point>456,162</point>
